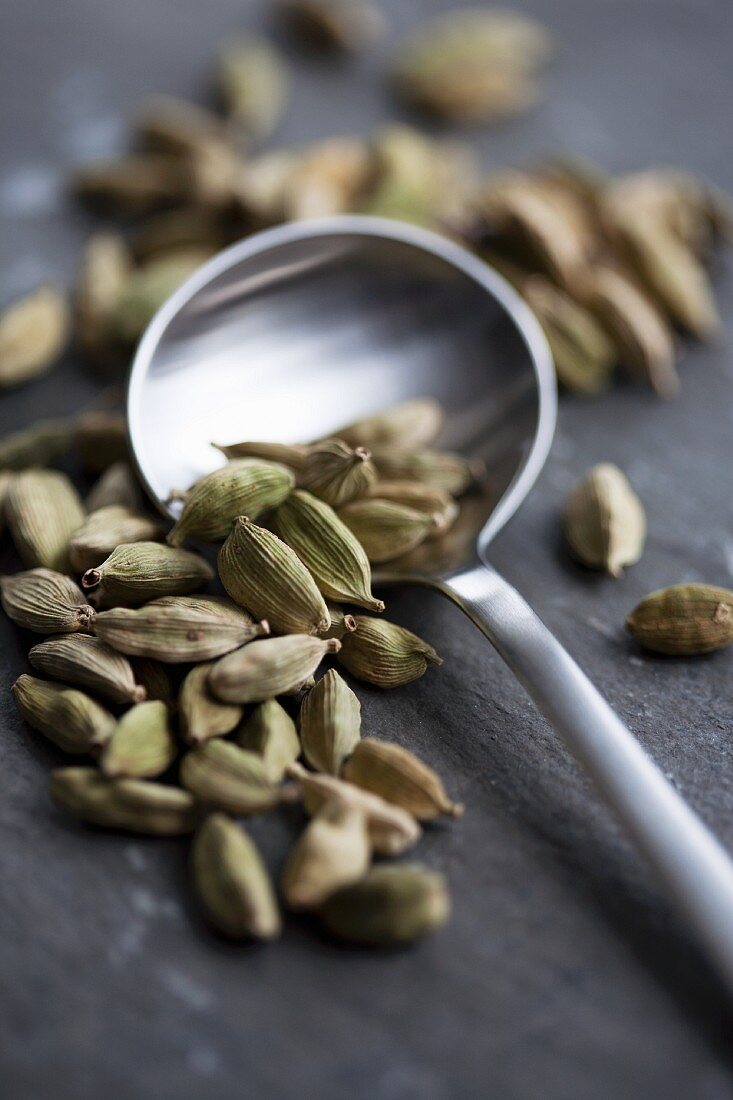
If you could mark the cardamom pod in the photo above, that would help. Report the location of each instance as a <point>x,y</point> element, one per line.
<point>336,472</point>
<point>104,530</point>
<point>142,744</point>
<point>202,716</point>
<point>341,623</point>
<point>132,804</point>
<point>270,667</point>
<point>85,661</point>
<point>335,24</point>
<point>391,905</point>
<point>385,654</point>
<point>421,498</point>
<point>440,469</point>
<point>153,678</point>
<point>326,546</point>
<point>333,852</point>
<point>43,510</point>
<point>410,424</point>
<point>329,723</point>
<point>246,487</point>
<point>605,523</point>
<point>46,602</point>
<point>39,445</point>
<point>105,269</point>
<point>232,882</point>
<point>285,454</point>
<point>179,629</point>
<point>400,777</point>
<point>583,355</point>
<point>175,127</point>
<point>270,732</point>
<point>263,574</point>
<point>115,485</point>
<point>100,438</point>
<point>263,187</point>
<point>136,572</point>
<point>232,779</point>
<point>254,84</point>
<point>191,227</point>
<point>66,716</point>
<point>149,286</point>
<point>33,333</point>
<point>130,185</point>
<point>684,620</point>
<point>386,530</point>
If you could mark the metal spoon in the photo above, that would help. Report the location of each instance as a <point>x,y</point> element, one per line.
<point>300,329</point>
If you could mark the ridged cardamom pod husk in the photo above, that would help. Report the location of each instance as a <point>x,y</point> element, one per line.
<point>386,530</point>
<point>583,355</point>
<point>324,543</point>
<point>684,620</point>
<point>244,487</point>
<point>43,510</point>
<point>46,602</point>
<point>269,667</point>
<point>400,777</point>
<point>179,629</point>
<point>152,676</point>
<point>332,852</point>
<point>335,24</point>
<point>385,654</point>
<point>270,732</point>
<point>33,333</point>
<point>201,716</point>
<point>329,723</point>
<point>39,445</point>
<point>605,522</point>
<point>136,572</point>
<point>101,439</point>
<point>391,905</point>
<point>440,469</point>
<point>232,779</point>
<point>105,269</point>
<point>135,805</point>
<point>232,882</point>
<point>341,622</point>
<point>265,575</point>
<point>85,661</point>
<point>336,472</point>
<point>391,829</point>
<point>253,83</point>
<point>420,497</point>
<point>410,424</point>
<point>66,716</point>
<point>116,485</point>
<point>142,744</point>
<point>292,455</point>
<point>104,530</point>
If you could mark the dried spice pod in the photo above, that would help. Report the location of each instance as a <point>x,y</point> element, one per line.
<point>410,424</point>
<point>43,510</point>
<point>232,779</point>
<point>153,678</point>
<point>269,667</point>
<point>583,355</point>
<point>323,542</point>
<point>253,83</point>
<point>130,185</point>
<point>68,717</point>
<point>440,469</point>
<point>232,882</point>
<point>400,777</point>
<point>421,498</point>
<point>385,654</point>
<point>332,852</point>
<point>149,286</point>
<point>82,660</point>
<point>341,622</point>
<point>245,487</point>
<point>335,24</point>
<point>135,805</point>
<point>605,522</point>
<point>142,744</point>
<point>136,572</point>
<point>115,485</point>
<point>270,732</point>
<point>385,529</point>
<point>263,188</point>
<point>175,127</point>
<point>46,602</point>
<point>33,333</point>
<point>328,178</point>
<point>336,472</point>
<point>391,905</point>
<point>329,723</point>
<point>179,629</point>
<point>202,716</point>
<point>292,455</point>
<point>39,445</point>
<point>105,268</point>
<point>684,620</point>
<point>186,228</point>
<point>262,573</point>
<point>105,529</point>
<point>101,439</point>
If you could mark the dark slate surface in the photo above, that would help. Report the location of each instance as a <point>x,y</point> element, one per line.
<point>563,972</point>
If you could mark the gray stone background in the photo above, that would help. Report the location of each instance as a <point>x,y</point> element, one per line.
<point>563,972</point>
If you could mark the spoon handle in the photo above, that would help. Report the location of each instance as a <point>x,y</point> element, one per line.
<point>693,864</point>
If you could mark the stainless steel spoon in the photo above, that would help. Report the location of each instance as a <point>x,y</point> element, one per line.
<point>298,330</point>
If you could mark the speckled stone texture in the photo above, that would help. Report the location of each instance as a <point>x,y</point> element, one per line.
<point>563,973</point>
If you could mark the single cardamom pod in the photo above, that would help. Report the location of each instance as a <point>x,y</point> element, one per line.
<point>106,267</point>
<point>33,333</point>
<point>132,804</point>
<point>153,678</point>
<point>254,84</point>
<point>333,852</point>
<point>129,185</point>
<point>39,445</point>
<point>262,573</point>
<point>269,667</point>
<point>104,530</point>
<point>292,455</point>
<point>246,487</point>
<point>440,469</point>
<point>335,24</point>
<point>336,472</point>
<point>179,629</point>
<point>385,654</point>
<point>583,355</point>
<point>191,227</point>
<point>391,829</point>
<point>329,723</point>
<point>164,124</point>
<point>116,485</point>
<point>149,286</point>
<point>684,620</point>
<point>270,732</point>
<point>410,424</point>
<point>232,882</point>
<point>263,188</point>
<point>136,572</point>
<point>391,905</point>
<point>341,623</point>
<point>201,715</point>
<point>398,776</point>
<point>46,602</point>
<point>421,498</point>
<point>605,523</point>
<point>142,744</point>
<point>83,660</point>
<point>386,530</point>
<point>232,779</point>
<point>101,439</point>
<point>43,510</point>
<point>326,546</point>
<point>66,716</point>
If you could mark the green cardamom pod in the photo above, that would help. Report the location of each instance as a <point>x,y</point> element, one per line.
<point>136,572</point>
<point>333,852</point>
<point>341,623</point>
<point>254,84</point>
<point>605,523</point>
<point>270,732</point>
<point>263,574</point>
<point>232,779</point>
<point>33,333</point>
<point>46,602</point>
<point>292,455</point>
<point>269,667</point>
<point>175,127</point>
<point>583,355</point>
<point>105,269</point>
<point>153,678</point>
<point>352,25</point>
<point>324,543</point>
<point>329,723</point>
<point>385,654</point>
<point>386,530</point>
<point>132,804</point>
<point>149,286</point>
<point>39,445</point>
<point>142,744</point>
<point>43,510</point>
<point>232,882</point>
<point>201,715</point>
<point>391,905</point>
<point>130,185</point>
<point>398,776</point>
<point>684,620</point>
<point>101,439</point>
<point>440,469</point>
<point>115,485</point>
<point>66,716</point>
<point>104,530</point>
<point>421,498</point>
<point>410,424</point>
<point>336,472</point>
<point>82,660</point>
